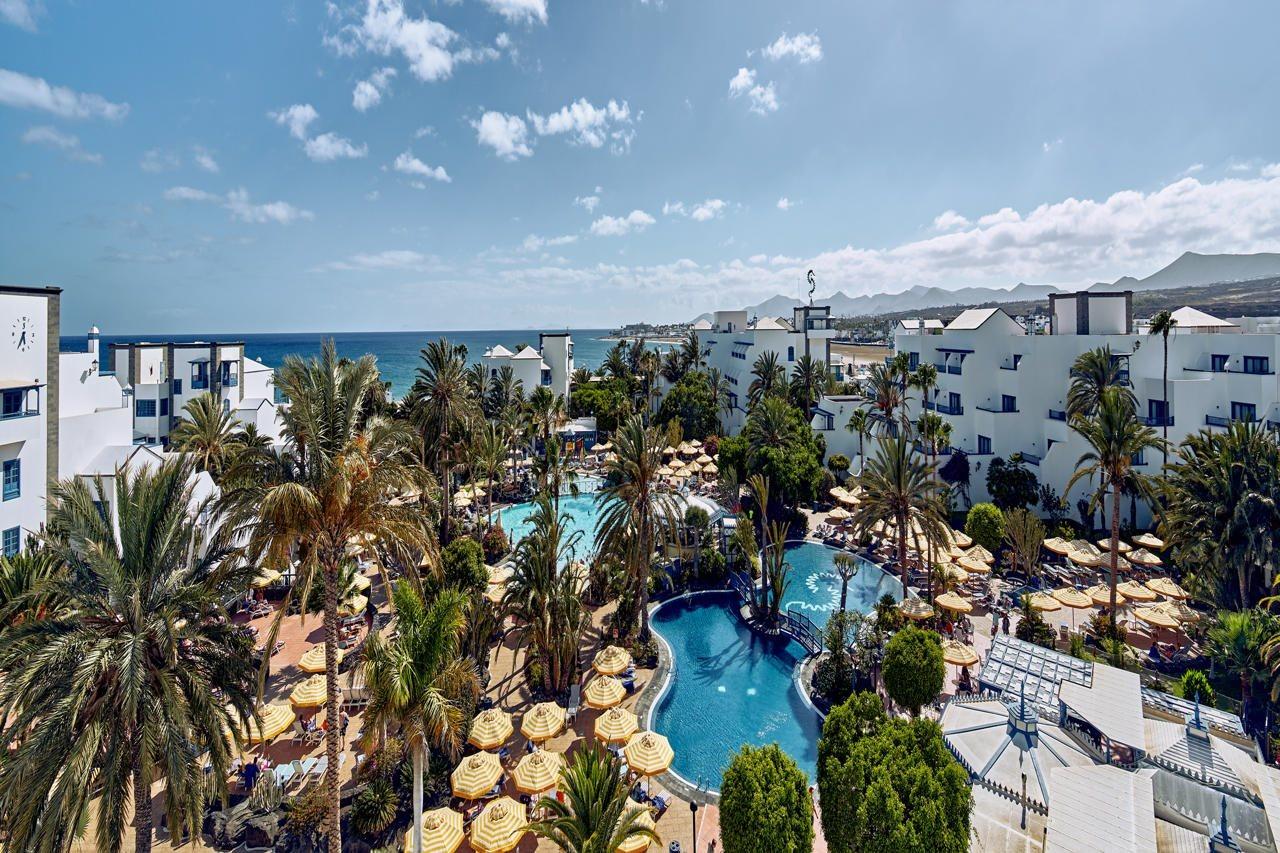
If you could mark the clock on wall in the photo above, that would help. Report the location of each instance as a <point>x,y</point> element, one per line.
<point>24,334</point>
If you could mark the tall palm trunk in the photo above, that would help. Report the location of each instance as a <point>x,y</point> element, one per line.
<point>645,557</point>
<point>1115,546</point>
<point>1164,422</point>
<point>902,552</point>
<point>142,820</point>
<point>333,736</point>
<point>419,767</point>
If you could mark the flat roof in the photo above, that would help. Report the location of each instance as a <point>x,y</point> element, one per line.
<point>1112,703</point>
<point>1101,808</point>
<point>29,291</point>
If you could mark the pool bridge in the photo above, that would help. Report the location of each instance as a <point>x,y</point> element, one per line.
<point>793,623</point>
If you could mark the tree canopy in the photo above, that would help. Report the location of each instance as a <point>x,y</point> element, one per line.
<point>692,402</point>
<point>985,525</point>
<point>913,668</point>
<point>764,803</point>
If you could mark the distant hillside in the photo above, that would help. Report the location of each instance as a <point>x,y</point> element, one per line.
<point>1191,270</point>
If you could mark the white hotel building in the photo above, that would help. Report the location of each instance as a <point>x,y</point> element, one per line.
<point>551,364</point>
<point>734,342</point>
<point>1004,391</point>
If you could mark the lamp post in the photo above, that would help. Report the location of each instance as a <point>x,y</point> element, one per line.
<point>693,807</point>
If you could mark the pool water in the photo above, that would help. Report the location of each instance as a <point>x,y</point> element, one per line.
<point>582,511</point>
<point>729,687</point>
<point>815,585</point>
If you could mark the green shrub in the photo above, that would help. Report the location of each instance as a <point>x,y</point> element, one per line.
<point>833,677</point>
<point>888,616</point>
<point>1195,683</point>
<point>913,668</point>
<point>711,565</point>
<point>1032,628</point>
<point>306,812</point>
<point>462,565</point>
<point>838,464</point>
<point>495,544</point>
<point>985,525</point>
<point>765,805</point>
<point>374,808</point>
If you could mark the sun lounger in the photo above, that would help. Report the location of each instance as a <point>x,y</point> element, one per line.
<point>318,769</point>
<point>284,774</point>
<point>575,700</point>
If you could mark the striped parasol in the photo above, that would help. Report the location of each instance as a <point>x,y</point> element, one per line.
<point>953,602</point>
<point>616,725</point>
<point>312,659</point>
<point>271,723</point>
<point>499,827</point>
<point>542,721</point>
<point>476,775</point>
<point>649,753</point>
<point>1167,588</point>
<point>490,729</point>
<point>538,771</point>
<point>310,693</point>
<point>611,660</point>
<point>441,832</point>
<point>604,691</point>
<point>1135,591</point>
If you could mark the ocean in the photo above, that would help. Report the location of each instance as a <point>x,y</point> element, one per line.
<point>397,352</point>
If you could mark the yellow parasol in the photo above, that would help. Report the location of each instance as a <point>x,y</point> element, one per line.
<point>354,605</point>
<point>611,660</point>
<point>616,725</point>
<point>638,843</point>
<point>1135,591</point>
<point>362,582</point>
<point>1122,546</point>
<point>973,565</point>
<point>915,608</point>
<point>490,729</point>
<point>1101,594</point>
<point>1058,545</point>
<point>1157,617</point>
<point>704,459</point>
<point>1167,588</point>
<point>310,693</point>
<point>669,451</point>
<point>956,652</point>
<point>312,659</point>
<point>499,827</point>
<point>839,514</point>
<point>955,573</point>
<point>441,832</point>
<point>1073,598</point>
<point>709,468</point>
<point>1143,557</point>
<point>476,775</point>
<point>1149,540</point>
<point>461,501</point>
<point>265,578</point>
<point>1180,611</point>
<point>273,721</point>
<point>538,771</point>
<point>953,602</point>
<point>837,492</point>
<point>496,591</point>
<point>693,442</point>
<point>604,691</point>
<point>664,471</point>
<point>694,467</point>
<point>978,552</point>
<point>961,539</point>
<point>649,753</point>
<point>542,721</point>
<point>1044,602</point>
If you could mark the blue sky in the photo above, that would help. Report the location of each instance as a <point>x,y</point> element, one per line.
<point>520,163</point>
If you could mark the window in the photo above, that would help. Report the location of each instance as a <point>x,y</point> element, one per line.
<point>984,445</point>
<point>177,387</point>
<point>12,479</point>
<point>1218,362</point>
<point>913,360</point>
<point>791,353</point>
<point>1246,412</point>
<point>199,375</point>
<point>12,404</point>
<point>228,378</point>
<point>11,541</point>
<point>1257,364</point>
<point>164,407</point>
<point>144,408</point>
<point>1157,412</point>
<point>1008,403</point>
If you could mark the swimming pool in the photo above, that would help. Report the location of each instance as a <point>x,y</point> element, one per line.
<point>815,586</point>
<point>582,511</point>
<point>729,686</point>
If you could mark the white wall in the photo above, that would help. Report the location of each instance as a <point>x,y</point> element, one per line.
<point>25,438</point>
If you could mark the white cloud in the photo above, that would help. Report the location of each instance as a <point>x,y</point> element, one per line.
<point>426,130</point>
<point>805,47</point>
<point>157,160</point>
<point>673,208</point>
<point>502,41</point>
<point>1193,169</point>
<point>20,13</point>
<point>758,259</point>
<point>709,209</point>
<point>68,143</point>
<point>297,118</point>
<point>368,93</point>
<point>1271,170</point>
<point>35,93</point>
<point>204,159</point>
<point>410,165</point>
<point>763,98</point>
<point>1051,144</point>
<point>587,124</point>
<point>948,220</point>
<point>328,147</point>
<point>785,203</point>
<point>587,202</point>
<point>520,11</point>
<point>507,135</point>
<point>385,28</point>
<point>534,243</point>
<point>240,206</point>
<point>612,226</point>
<point>392,259</point>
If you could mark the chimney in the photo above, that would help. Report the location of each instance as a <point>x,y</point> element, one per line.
<point>93,341</point>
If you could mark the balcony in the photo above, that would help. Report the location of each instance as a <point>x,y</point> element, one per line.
<point>1030,458</point>
<point>200,384</point>
<point>945,409</point>
<point>1219,421</point>
<point>940,366</point>
<point>230,381</point>
<point>1152,421</point>
<point>955,369</point>
<point>818,324</point>
<point>1057,415</point>
<point>996,411</point>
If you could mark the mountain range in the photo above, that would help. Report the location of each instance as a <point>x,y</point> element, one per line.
<point>1189,270</point>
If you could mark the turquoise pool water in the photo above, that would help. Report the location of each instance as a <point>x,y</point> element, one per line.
<point>730,686</point>
<point>815,586</point>
<point>582,512</point>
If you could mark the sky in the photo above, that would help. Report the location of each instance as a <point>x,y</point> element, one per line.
<point>474,164</point>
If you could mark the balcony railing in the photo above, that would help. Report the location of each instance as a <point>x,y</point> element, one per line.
<point>995,410</point>
<point>954,369</point>
<point>940,366</point>
<point>1153,421</point>
<point>945,409</point>
<point>230,381</point>
<point>1057,415</point>
<point>199,384</point>
<point>1219,421</point>
<point>1030,458</point>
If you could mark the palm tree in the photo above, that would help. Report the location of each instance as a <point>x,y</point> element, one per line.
<point>208,432</point>
<point>134,675</point>
<point>1236,640</point>
<point>769,377</point>
<point>769,424</point>
<point>330,485</point>
<point>488,452</point>
<point>692,352</point>
<point>26,581</point>
<point>616,362</point>
<point>420,684</point>
<point>809,380</point>
<point>441,404</point>
<point>846,567</point>
<point>935,433</point>
<point>860,422</point>
<point>898,487</point>
<point>477,380</point>
<point>1092,373</point>
<point>1221,510</point>
<point>597,815</point>
<point>505,392</point>
<point>1115,437</point>
<point>544,593</point>
<point>580,377</point>
<point>554,473</point>
<point>546,410</point>
<point>925,380</point>
<point>722,391</point>
<point>634,513</point>
<point>1163,324</point>
<point>885,392</point>
<point>673,366</point>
